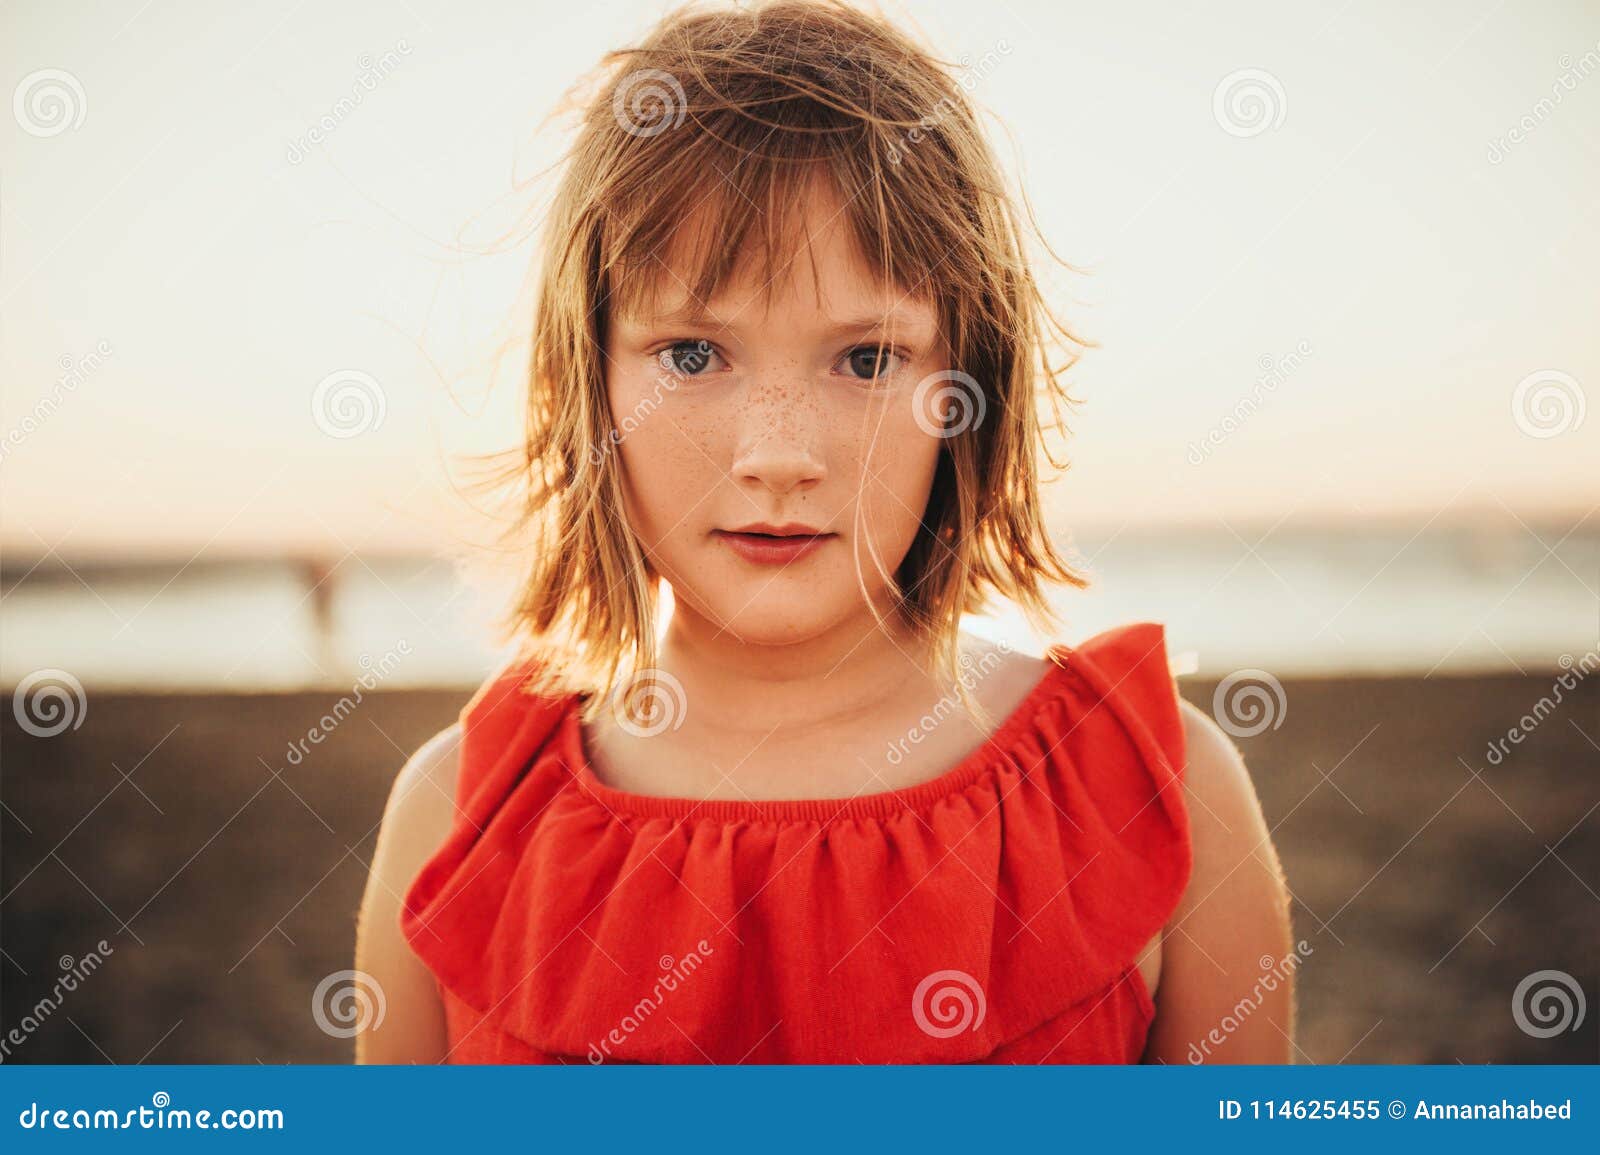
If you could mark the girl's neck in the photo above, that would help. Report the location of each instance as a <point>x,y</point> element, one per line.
<point>814,719</point>
<point>853,670</point>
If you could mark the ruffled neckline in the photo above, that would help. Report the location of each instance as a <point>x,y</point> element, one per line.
<point>1036,869</point>
<point>992,754</point>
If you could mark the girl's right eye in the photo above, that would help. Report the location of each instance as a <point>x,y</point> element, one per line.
<point>686,358</point>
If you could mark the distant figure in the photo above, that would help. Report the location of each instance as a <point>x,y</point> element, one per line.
<point>319,579</point>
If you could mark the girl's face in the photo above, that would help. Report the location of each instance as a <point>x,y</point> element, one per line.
<point>731,414</point>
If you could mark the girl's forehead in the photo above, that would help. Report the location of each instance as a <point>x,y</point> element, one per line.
<point>845,299</point>
<point>822,274</point>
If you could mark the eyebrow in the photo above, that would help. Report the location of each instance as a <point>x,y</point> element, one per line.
<point>693,315</point>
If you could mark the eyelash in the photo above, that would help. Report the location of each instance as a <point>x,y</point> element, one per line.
<point>664,356</point>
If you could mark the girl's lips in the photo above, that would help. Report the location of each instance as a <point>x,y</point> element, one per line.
<point>762,550</point>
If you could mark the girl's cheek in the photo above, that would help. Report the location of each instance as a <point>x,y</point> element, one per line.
<point>894,473</point>
<point>643,445</point>
<point>668,457</point>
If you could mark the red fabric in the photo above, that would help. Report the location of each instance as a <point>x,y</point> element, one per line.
<point>568,921</point>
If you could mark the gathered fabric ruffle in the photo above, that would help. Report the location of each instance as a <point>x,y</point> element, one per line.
<point>994,913</point>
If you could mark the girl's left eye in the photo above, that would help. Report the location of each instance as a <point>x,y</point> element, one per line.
<point>872,362</point>
<point>687,358</point>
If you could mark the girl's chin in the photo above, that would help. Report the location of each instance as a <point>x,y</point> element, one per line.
<point>758,619</point>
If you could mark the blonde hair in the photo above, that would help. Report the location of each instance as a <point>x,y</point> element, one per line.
<point>724,116</point>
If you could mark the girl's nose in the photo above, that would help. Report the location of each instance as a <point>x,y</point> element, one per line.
<point>779,436</point>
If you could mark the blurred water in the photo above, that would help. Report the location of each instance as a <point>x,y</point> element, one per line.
<point>1381,601</point>
<point>250,626</point>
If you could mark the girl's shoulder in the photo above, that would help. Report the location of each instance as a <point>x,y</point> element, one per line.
<point>415,825</point>
<point>1231,926</point>
<point>431,770</point>
<point>420,810</point>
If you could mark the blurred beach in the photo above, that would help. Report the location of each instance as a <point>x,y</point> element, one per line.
<point>1435,864</point>
<point>1479,594</point>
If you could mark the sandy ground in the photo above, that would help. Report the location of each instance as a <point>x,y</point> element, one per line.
<point>1427,881</point>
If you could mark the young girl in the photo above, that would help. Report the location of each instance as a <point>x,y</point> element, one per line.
<point>787,359</point>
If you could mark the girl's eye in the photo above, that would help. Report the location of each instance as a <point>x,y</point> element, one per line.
<point>686,358</point>
<point>872,362</point>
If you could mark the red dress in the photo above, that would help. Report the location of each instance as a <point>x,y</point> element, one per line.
<point>991,914</point>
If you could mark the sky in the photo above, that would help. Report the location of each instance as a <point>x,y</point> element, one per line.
<point>256,291</point>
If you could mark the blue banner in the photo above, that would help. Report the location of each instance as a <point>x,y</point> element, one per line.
<point>744,1108</point>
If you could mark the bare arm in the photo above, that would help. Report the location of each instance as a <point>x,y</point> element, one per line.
<point>415,822</point>
<point>1217,1002</point>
